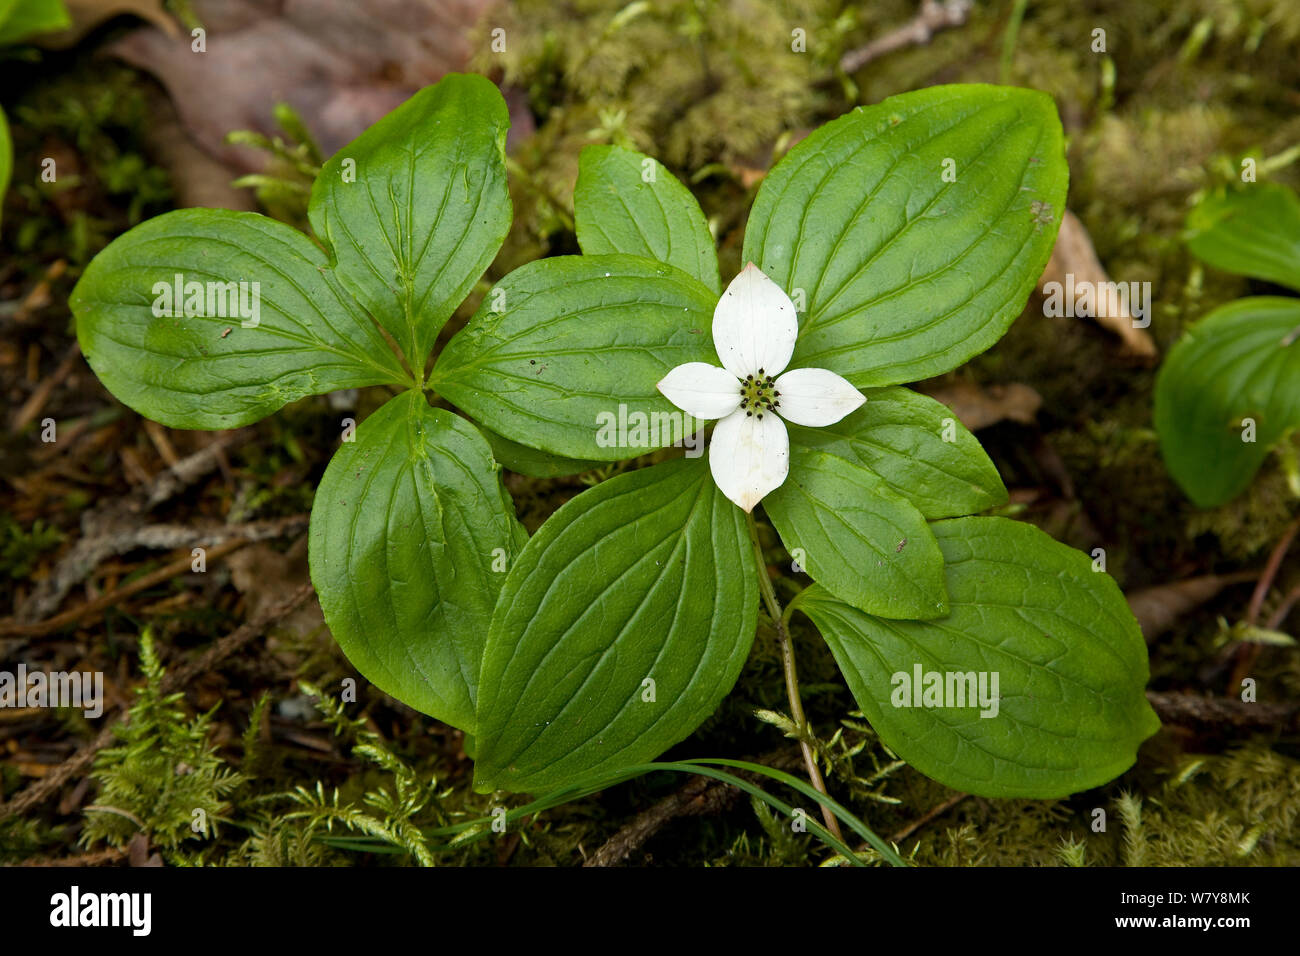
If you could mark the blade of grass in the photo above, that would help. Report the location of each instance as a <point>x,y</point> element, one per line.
<point>469,831</point>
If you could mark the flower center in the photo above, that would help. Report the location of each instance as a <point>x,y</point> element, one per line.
<point>758,394</point>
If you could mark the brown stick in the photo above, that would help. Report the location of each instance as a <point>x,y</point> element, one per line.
<point>116,523</point>
<point>73,615</point>
<point>925,819</point>
<point>698,797</point>
<point>236,640</point>
<point>1196,711</point>
<point>933,17</point>
<point>98,858</point>
<point>169,537</point>
<point>36,401</point>
<point>1270,572</point>
<point>1288,602</point>
<point>1247,654</point>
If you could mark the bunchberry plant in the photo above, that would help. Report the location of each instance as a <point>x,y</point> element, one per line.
<point>1229,391</point>
<point>206,318</point>
<point>891,245</point>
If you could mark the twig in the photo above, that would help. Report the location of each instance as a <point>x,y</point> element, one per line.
<point>933,17</point>
<point>925,819</point>
<point>1248,653</point>
<point>116,526</point>
<point>1270,572</point>
<point>39,296</point>
<point>234,641</point>
<point>36,401</point>
<point>98,858</point>
<point>698,797</point>
<point>217,539</point>
<point>1219,712</point>
<point>158,435</point>
<point>1288,602</point>
<point>142,583</point>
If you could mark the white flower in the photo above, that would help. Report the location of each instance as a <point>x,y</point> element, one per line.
<point>754,331</point>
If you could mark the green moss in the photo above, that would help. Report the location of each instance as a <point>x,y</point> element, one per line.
<point>164,778</point>
<point>91,122</point>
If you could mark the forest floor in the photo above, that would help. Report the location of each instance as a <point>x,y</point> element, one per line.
<point>98,527</point>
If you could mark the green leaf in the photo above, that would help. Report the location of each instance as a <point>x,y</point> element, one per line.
<point>1070,660</point>
<point>6,158</point>
<point>533,463</point>
<point>858,538</point>
<point>616,210</point>
<point>1240,362</point>
<point>205,369</point>
<point>565,350</point>
<point>416,207</point>
<point>411,538</point>
<point>1253,231</point>
<point>27,18</point>
<point>646,577</point>
<point>905,274</point>
<point>918,447</point>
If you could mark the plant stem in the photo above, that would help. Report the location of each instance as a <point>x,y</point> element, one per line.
<point>1270,571</point>
<point>1009,40</point>
<point>1247,654</point>
<point>779,621</point>
<point>1279,616</point>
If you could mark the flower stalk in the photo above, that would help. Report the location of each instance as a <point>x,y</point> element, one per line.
<point>779,621</point>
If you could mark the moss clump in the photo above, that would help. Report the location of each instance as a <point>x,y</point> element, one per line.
<point>165,778</point>
<point>91,124</point>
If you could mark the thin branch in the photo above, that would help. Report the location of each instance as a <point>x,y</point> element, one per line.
<point>698,797</point>
<point>1288,602</point>
<point>1248,653</point>
<point>1224,713</point>
<point>1270,572</point>
<point>117,595</point>
<point>114,525</point>
<point>933,17</point>
<point>925,819</point>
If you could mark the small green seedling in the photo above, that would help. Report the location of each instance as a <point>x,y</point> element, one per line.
<point>1229,390</point>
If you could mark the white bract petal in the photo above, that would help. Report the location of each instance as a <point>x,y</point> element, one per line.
<point>749,456</point>
<point>702,390</point>
<point>754,325</point>
<point>816,396</point>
